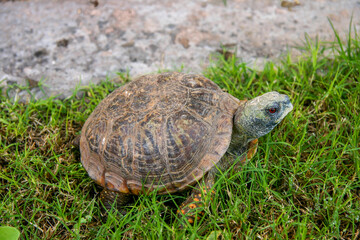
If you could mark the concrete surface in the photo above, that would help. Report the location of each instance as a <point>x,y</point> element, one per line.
<point>82,41</point>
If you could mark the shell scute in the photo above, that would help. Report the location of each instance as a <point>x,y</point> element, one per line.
<point>95,134</point>
<point>171,98</point>
<point>124,124</point>
<point>116,105</point>
<point>198,81</point>
<point>206,97</point>
<point>185,142</point>
<point>141,101</point>
<point>119,159</point>
<point>202,110</point>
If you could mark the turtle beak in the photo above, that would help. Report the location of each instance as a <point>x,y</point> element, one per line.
<point>286,107</point>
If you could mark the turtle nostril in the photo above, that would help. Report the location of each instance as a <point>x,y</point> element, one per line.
<point>286,100</point>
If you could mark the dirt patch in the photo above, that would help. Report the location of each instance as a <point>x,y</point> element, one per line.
<point>61,44</point>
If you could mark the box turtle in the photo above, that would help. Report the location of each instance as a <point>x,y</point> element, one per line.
<point>172,131</point>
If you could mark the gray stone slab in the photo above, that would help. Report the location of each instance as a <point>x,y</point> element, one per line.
<point>66,43</point>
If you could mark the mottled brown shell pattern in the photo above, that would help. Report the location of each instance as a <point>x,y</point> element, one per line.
<point>160,132</point>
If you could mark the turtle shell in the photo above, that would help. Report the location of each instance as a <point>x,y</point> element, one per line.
<point>160,132</point>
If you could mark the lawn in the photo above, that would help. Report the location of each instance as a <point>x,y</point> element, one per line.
<point>303,183</point>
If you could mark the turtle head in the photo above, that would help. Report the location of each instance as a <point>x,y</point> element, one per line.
<point>260,115</point>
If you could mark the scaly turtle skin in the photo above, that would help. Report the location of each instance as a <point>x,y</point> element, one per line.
<point>170,131</point>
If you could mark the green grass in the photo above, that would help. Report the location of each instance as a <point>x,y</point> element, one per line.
<point>302,184</point>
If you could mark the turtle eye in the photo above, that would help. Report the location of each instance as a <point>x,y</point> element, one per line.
<point>272,110</point>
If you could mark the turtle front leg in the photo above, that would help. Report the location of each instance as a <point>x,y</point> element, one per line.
<point>193,207</point>
<point>114,199</point>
